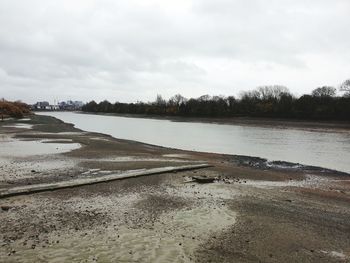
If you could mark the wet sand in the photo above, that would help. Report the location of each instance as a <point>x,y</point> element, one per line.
<point>251,213</point>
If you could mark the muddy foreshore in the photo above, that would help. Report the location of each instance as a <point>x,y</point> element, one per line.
<point>253,212</point>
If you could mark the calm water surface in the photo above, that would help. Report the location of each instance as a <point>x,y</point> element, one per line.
<point>324,149</point>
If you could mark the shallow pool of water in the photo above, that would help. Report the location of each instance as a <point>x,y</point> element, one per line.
<point>23,148</point>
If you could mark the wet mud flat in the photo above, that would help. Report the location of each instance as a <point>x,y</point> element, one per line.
<point>250,213</point>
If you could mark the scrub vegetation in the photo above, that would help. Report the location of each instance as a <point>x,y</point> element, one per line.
<point>15,109</point>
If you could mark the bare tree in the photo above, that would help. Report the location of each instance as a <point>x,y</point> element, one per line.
<point>177,100</point>
<point>345,86</point>
<point>160,101</point>
<point>249,95</point>
<point>325,91</point>
<point>204,98</point>
<point>272,92</point>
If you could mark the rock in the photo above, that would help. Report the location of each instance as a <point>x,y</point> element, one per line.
<point>5,208</point>
<point>203,179</point>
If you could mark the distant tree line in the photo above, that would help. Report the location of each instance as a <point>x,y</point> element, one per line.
<point>266,101</point>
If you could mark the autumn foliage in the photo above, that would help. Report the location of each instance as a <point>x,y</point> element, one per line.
<point>15,109</point>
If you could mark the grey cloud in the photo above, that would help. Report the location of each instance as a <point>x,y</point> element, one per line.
<point>130,50</point>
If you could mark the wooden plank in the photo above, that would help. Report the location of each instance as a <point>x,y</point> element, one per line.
<point>28,189</point>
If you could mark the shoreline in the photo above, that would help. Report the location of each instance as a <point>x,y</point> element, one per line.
<point>250,213</point>
<point>255,162</point>
<point>257,159</point>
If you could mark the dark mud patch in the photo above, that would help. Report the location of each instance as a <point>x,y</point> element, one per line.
<point>154,205</point>
<point>45,177</point>
<point>117,188</point>
<point>50,124</point>
<point>279,232</point>
<point>264,164</point>
<point>325,195</point>
<point>33,228</point>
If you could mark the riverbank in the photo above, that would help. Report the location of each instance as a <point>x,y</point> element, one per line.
<point>326,149</point>
<point>251,213</point>
<point>316,125</point>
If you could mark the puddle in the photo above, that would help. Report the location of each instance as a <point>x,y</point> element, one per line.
<point>176,155</point>
<point>99,139</point>
<point>142,159</point>
<point>19,125</point>
<point>26,159</point>
<point>17,148</point>
<point>72,133</point>
<point>92,172</point>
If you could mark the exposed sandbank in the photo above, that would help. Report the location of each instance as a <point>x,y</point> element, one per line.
<point>250,214</point>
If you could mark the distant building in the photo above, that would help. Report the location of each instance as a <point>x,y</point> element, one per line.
<point>64,106</point>
<point>52,107</point>
<point>70,105</point>
<point>41,105</point>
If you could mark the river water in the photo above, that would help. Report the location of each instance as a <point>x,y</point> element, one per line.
<point>324,149</point>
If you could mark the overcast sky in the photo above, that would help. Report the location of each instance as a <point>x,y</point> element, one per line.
<point>133,50</point>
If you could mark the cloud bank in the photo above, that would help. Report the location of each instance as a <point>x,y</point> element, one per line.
<point>133,50</point>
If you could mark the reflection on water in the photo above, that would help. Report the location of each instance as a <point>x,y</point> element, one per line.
<point>325,149</point>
